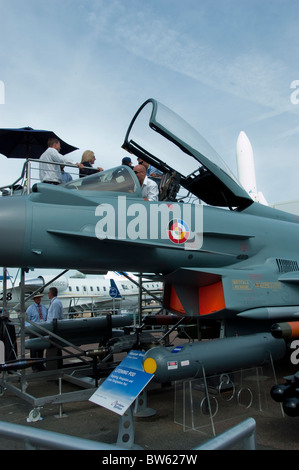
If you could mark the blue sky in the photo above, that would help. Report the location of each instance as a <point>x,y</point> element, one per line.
<point>83,67</point>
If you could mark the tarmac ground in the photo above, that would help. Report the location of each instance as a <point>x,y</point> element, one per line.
<point>180,420</point>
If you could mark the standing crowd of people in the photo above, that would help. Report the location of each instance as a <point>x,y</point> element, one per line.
<point>53,163</point>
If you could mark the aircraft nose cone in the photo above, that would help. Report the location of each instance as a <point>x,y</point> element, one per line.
<point>12,230</point>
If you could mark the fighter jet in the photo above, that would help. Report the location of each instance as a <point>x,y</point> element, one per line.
<point>224,258</point>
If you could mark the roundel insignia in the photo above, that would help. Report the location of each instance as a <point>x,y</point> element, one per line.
<point>178,231</point>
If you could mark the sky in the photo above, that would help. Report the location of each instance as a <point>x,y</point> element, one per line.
<point>83,67</point>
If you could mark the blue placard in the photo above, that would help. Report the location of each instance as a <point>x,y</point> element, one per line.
<point>123,385</point>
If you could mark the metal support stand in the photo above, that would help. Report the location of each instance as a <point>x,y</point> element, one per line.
<point>202,403</point>
<point>141,409</point>
<point>39,402</point>
<point>126,431</point>
<point>61,414</point>
<point>24,383</point>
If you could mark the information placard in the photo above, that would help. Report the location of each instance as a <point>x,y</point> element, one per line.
<point>123,385</point>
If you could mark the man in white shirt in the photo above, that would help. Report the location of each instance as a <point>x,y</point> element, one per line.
<point>55,309</point>
<point>149,188</point>
<point>49,173</point>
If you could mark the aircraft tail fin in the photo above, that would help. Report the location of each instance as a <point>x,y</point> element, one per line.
<point>114,291</point>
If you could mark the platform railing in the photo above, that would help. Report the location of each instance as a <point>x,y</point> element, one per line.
<point>30,175</point>
<point>245,431</point>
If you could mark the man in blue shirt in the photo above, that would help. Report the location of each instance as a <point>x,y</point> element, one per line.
<point>150,169</point>
<point>55,309</point>
<point>65,177</point>
<point>37,313</point>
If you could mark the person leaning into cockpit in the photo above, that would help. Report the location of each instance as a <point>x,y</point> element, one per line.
<point>150,169</point>
<point>149,188</point>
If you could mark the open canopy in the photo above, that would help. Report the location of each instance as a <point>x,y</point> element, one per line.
<point>162,138</point>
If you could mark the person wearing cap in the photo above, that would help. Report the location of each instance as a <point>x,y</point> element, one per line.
<point>128,162</point>
<point>37,313</point>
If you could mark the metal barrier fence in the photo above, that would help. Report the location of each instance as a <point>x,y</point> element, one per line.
<point>35,439</point>
<point>245,431</point>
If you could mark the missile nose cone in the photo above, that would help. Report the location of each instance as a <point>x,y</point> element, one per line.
<point>243,143</point>
<point>276,330</point>
<point>280,392</point>
<point>150,365</point>
<point>241,136</point>
<point>285,330</point>
<point>291,406</point>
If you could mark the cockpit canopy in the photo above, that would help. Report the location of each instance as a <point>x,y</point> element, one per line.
<point>162,138</point>
<point>120,179</point>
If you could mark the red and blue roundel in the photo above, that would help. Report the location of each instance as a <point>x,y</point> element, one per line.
<point>178,231</point>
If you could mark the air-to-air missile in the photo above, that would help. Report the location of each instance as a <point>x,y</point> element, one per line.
<point>286,330</point>
<point>230,260</point>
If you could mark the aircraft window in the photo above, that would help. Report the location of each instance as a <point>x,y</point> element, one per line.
<point>104,288</point>
<point>70,288</point>
<point>77,288</point>
<point>124,286</point>
<point>98,289</point>
<point>84,288</point>
<point>120,179</point>
<point>91,288</point>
